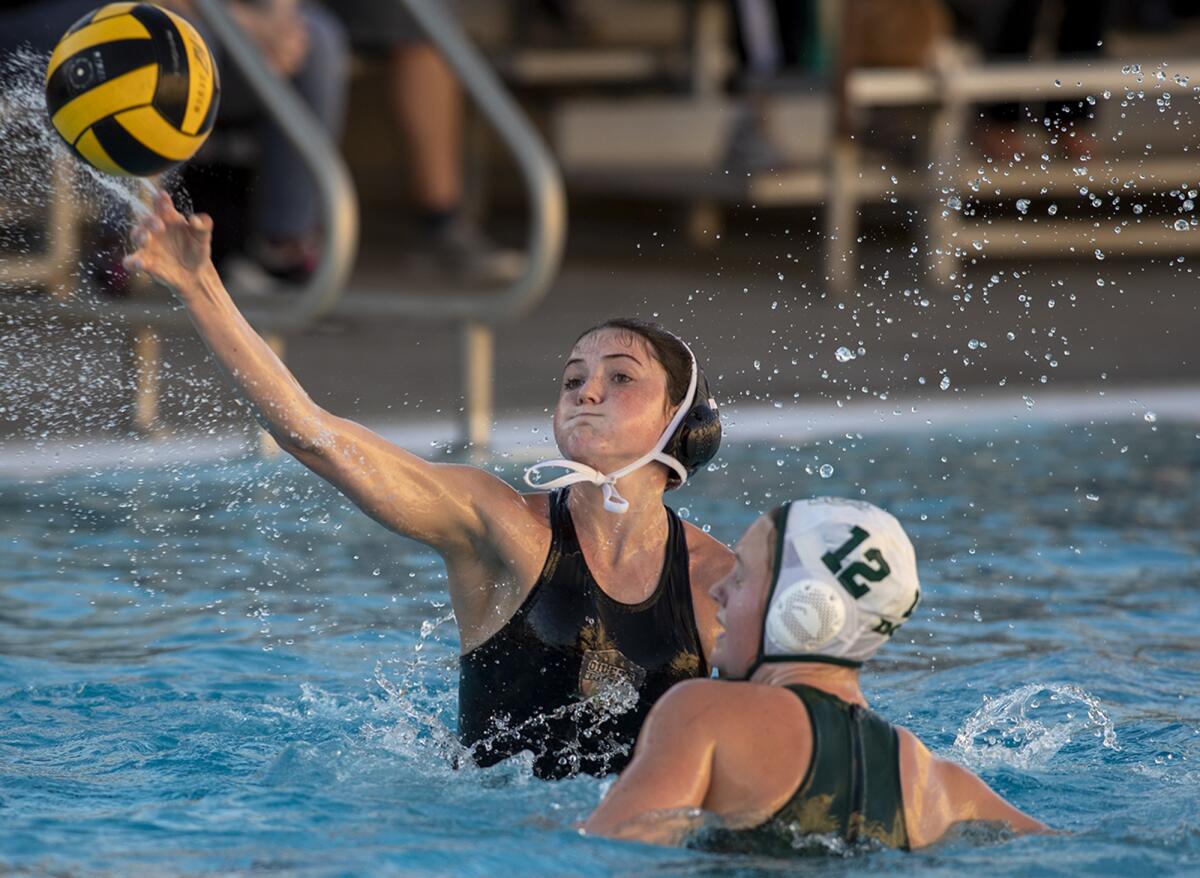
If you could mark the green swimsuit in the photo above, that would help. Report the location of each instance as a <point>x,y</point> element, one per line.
<point>851,792</point>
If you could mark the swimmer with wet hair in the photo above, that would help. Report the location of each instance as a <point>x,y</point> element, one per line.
<point>578,608</point>
<point>785,752</point>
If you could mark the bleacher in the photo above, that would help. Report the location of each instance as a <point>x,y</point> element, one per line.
<point>634,98</point>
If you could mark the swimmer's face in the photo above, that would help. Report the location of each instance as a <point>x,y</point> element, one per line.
<point>741,599</point>
<point>612,403</point>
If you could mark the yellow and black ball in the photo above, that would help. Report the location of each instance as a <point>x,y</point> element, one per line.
<point>133,89</point>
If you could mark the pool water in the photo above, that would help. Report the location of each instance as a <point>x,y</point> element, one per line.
<point>224,668</point>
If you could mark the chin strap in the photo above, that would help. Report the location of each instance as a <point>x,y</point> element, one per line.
<point>581,472</point>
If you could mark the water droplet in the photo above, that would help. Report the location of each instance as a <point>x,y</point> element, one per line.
<point>1181,225</point>
<point>945,382</point>
<point>1150,417</point>
<point>844,354</point>
<point>1099,253</point>
<point>826,470</point>
<point>1023,205</point>
<point>1052,209</point>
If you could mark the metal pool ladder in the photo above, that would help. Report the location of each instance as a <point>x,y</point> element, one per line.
<point>476,312</point>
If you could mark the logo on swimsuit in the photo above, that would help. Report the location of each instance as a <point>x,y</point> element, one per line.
<point>607,675</point>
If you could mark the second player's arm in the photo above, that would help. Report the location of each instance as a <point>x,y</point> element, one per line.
<point>654,798</point>
<point>940,794</point>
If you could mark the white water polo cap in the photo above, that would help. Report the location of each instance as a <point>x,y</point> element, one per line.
<point>690,440</point>
<point>845,579</point>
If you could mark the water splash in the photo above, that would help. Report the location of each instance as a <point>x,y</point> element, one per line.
<point>408,720</point>
<point>32,152</point>
<point>413,720</point>
<point>1027,727</point>
<point>64,230</point>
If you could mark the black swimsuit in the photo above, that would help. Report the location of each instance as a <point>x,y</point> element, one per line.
<point>852,790</point>
<point>573,673</point>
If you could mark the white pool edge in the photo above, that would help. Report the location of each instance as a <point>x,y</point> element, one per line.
<point>528,437</point>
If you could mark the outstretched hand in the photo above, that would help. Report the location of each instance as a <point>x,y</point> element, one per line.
<point>171,248</point>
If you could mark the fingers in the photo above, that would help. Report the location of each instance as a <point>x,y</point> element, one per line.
<point>164,208</point>
<point>201,222</point>
<point>148,227</point>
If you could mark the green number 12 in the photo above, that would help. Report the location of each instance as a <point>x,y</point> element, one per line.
<point>849,577</point>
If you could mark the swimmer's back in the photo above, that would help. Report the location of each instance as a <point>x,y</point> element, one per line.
<point>850,787</point>
<point>755,744</point>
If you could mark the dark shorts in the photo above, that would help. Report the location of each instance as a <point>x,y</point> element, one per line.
<point>378,25</point>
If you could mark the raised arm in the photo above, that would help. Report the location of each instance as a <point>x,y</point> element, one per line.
<point>447,507</point>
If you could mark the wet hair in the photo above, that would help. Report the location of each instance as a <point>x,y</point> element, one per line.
<point>670,352</point>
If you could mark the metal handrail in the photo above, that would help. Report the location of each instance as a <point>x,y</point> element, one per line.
<point>544,185</point>
<point>477,311</point>
<point>319,153</point>
<point>338,202</point>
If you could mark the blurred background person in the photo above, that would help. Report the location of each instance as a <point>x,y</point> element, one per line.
<point>306,45</point>
<point>426,103</point>
<point>1008,32</point>
<point>301,42</point>
<point>773,40</point>
<point>784,46</point>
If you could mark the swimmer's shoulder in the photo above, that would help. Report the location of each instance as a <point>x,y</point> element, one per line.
<point>756,741</point>
<point>489,496</point>
<point>709,559</point>
<point>721,707</point>
<point>705,545</point>
<point>503,503</point>
<point>537,504</point>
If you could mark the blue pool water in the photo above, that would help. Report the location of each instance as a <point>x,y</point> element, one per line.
<point>222,669</point>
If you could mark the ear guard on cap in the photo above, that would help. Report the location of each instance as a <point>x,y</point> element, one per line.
<point>805,617</point>
<point>698,437</point>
